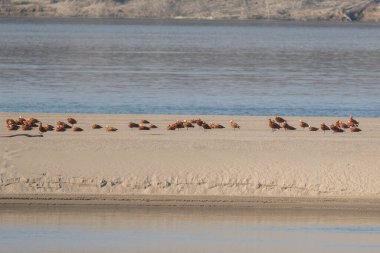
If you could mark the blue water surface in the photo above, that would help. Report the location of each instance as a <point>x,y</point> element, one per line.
<point>189,67</point>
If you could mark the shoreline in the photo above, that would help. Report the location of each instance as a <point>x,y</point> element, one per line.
<point>190,21</point>
<point>217,202</point>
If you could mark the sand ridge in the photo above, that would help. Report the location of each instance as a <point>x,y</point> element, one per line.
<point>249,162</point>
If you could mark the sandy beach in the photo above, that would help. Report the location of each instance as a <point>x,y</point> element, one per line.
<point>251,162</point>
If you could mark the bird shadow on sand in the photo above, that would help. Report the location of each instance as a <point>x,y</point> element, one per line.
<point>25,135</point>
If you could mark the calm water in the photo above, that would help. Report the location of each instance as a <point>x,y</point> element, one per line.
<point>114,229</point>
<point>189,67</point>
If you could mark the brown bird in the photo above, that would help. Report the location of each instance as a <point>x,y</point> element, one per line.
<point>324,127</point>
<point>205,126</point>
<point>60,128</point>
<point>216,126</point>
<point>96,126</point>
<point>20,120</point>
<point>286,126</point>
<point>352,122</point>
<point>77,129</point>
<point>133,125</point>
<point>178,124</point>
<point>152,126</point>
<point>49,127</point>
<point>303,124</point>
<point>234,125</point>
<point>31,124</point>
<point>41,129</point>
<point>111,129</point>
<point>199,122</point>
<point>342,124</point>
<point>187,124</point>
<point>144,121</point>
<point>273,125</point>
<point>336,129</point>
<point>72,121</point>
<point>279,119</point>
<point>313,129</point>
<point>12,127</point>
<point>63,124</point>
<point>193,121</point>
<point>33,121</point>
<point>26,127</point>
<point>10,122</point>
<point>171,127</point>
<point>355,129</point>
<point>142,127</point>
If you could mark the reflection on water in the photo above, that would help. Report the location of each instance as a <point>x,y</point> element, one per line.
<point>127,229</point>
<point>189,67</point>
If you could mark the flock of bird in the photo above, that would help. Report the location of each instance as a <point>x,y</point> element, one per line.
<point>30,123</point>
<point>276,124</point>
<point>338,127</point>
<point>201,123</point>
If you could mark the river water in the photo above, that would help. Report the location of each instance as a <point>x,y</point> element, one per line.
<point>155,229</point>
<point>189,67</point>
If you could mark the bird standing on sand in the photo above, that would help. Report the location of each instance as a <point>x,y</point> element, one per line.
<point>303,124</point>
<point>313,129</point>
<point>77,129</point>
<point>355,129</point>
<point>49,127</point>
<point>178,124</point>
<point>144,121</point>
<point>352,122</point>
<point>26,127</point>
<point>187,124</point>
<point>279,119</point>
<point>342,124</point>
<point>286,126</point>
<point>133,125</point>
<point>142,127</point>
<point>72,121</point>
<point>96,126</point>
<point>273,125</point>
<point>234,125</point>
<point>324,127</point>
<point>205,126</point>
<point>42,129</point>
<point>32,122</point>
<point>60,128</point>
<point>10,122</point>
<point>12,127</point>
<point>152,126</point>
<point>216,126</point>
<point>199,122</point>
<point>171,127</point>
<point>63,124</point>
<point>21,120</point>
<point>111,129</point>
<point>336,129</point>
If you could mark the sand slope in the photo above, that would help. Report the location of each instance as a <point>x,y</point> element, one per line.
<point>252,161</point>
<point>337,10</point>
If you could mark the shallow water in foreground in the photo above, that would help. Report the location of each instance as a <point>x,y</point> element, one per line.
<point>189,67</point>
<point>125,229</point>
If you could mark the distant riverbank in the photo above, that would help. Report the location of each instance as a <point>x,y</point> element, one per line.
<point>334,10</point>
